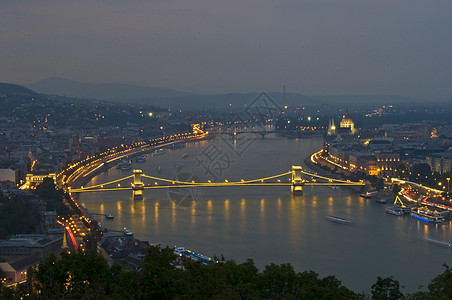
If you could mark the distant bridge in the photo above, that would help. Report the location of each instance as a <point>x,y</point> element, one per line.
<point>137,182</point>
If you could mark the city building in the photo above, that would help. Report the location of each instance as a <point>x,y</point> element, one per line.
<point>440,162</point>
<point>36,178</point>
<point>347,124</point>
<point>36,245</point>
<point>16,271</point>
<point>346,127</point>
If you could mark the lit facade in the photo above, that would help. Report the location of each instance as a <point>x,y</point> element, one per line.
<point>440,162</point>
<point>32,180</point>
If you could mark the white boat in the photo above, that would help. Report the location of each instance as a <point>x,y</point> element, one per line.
<point>337,219</point>
<point>127,232</point>
<point>109,216</point>
<point>159,152</point>
<point>369,194</point>
<point>440,243</point>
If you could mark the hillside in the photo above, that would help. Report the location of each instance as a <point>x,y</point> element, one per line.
<point>101,91</point>
<point>143,95</point>
<point>14,89</point>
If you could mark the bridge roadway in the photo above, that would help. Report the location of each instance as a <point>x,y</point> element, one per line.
<point>137,185</point>
<point>87,168</point>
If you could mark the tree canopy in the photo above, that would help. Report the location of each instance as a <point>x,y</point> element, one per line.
<point>86,275</point>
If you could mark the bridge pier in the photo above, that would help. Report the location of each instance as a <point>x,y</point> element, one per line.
<point>137,185</point>
<point>297,181</point>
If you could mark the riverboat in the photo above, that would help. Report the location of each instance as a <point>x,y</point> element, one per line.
<point>139,159</point>
<point>337,219</point>
<point>369,194</point>
<point>394,211</point>
<point>127,232</point>
<point>182,252</point>
<point>109,216</point>
<point>124,165</point>
<point>440,243</point>
<point>159,152</point>
<point>426,215</point>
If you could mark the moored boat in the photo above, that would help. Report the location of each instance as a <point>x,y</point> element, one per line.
<point>124,165</point>
<point>181,251</point>
<point>394,211</point>
<point>368,194</point>
<point>159,152</point>
<point>426,215</point>
<point>139,159</point>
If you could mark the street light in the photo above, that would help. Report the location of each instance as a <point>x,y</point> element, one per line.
<point>448,185</point>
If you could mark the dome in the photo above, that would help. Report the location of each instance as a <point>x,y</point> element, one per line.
<point>347,121</point>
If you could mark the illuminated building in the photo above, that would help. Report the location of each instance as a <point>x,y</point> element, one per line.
<point>440,162</point>
<point>331,127</point>
<point>348,123</point>
<point>36,178</point>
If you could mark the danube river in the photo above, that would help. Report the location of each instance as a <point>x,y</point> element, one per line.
<point>268,224</point>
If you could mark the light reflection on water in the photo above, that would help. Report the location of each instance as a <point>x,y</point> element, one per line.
<point>269,225</point>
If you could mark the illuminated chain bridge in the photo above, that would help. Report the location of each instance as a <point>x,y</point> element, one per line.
<point>137,182</point>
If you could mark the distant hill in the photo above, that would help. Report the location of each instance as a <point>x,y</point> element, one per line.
<point>367,99</point>
<point>101,91</point>
<point>14,89</point>
<point>137,94</point>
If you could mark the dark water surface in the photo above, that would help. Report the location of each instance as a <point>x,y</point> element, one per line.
<point>268,224</point>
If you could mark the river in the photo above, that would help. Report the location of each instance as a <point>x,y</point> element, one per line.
<point>268,224</point>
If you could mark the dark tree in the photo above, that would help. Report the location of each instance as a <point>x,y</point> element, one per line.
<point>53,197</point>
<point>158,277</point>
<point>441,285</point>
<point>386,289</point>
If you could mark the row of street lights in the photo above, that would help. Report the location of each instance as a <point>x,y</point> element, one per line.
<point>448,179</point>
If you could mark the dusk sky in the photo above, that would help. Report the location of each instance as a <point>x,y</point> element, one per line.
<point>314,47</point>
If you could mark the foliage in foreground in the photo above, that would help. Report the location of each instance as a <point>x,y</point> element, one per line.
<point>87,276</point>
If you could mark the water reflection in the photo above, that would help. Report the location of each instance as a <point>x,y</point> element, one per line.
<point>262,216</point>
<point>143,210</point>
<point>330,205</point>
<point>226,210</point>
<point>193,214</point>
<point>284,228</point>
<point>119,208</point>
<point>314,201</point>
<point>173,214</point>
<point>243,214</point>
<point>209,212</point>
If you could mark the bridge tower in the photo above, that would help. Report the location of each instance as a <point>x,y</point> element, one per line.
<point>297,181</point>
<point>137,185</point>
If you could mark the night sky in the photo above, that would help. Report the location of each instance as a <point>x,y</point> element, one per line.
<point>314,47</point>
